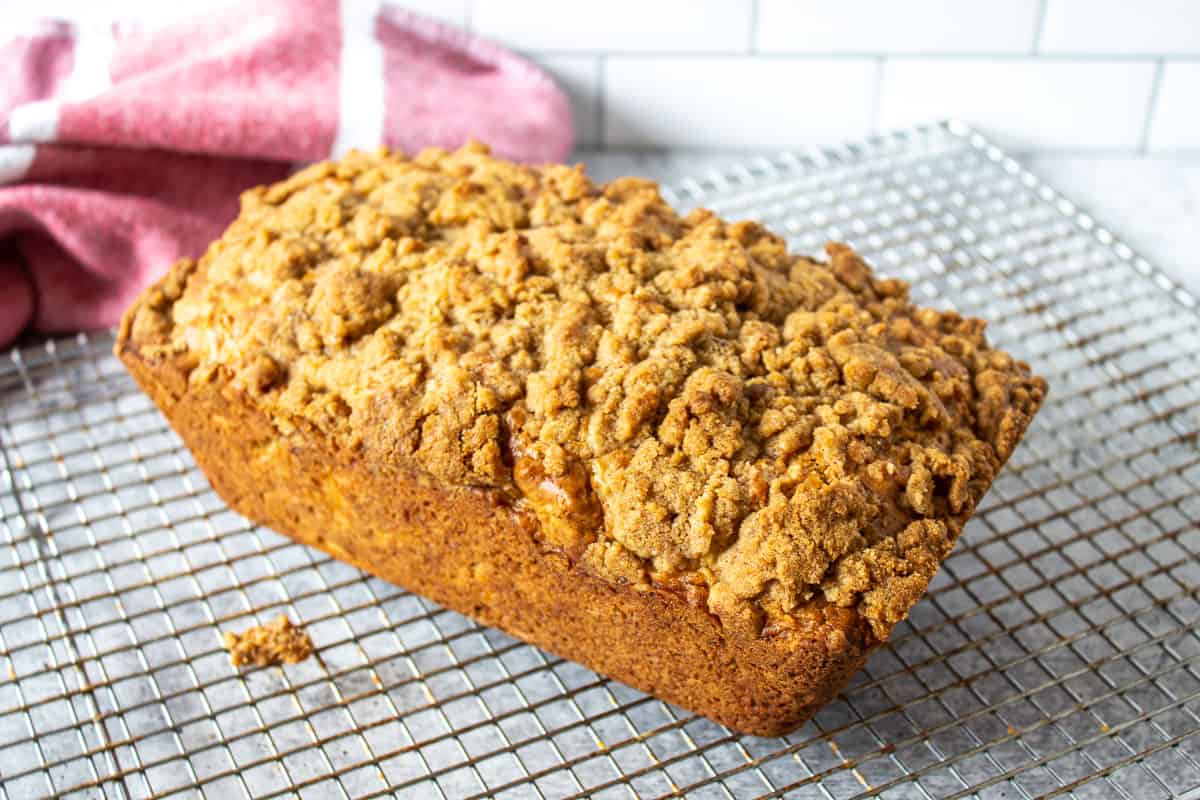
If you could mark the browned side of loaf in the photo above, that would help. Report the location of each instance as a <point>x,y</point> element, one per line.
<point>473,552</point>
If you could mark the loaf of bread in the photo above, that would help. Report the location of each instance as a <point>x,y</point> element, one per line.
<point>659,445</point>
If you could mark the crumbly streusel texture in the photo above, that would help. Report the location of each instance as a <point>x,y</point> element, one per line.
<point>677,398</point>
<point>662,446</point>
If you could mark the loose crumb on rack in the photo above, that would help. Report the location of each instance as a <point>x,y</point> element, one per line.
<point>278,642</point>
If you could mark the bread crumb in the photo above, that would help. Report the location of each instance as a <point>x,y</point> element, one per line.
<point>278,642</point>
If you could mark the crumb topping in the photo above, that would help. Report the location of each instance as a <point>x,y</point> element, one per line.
<point>277,642</point>
<point>678,399</point>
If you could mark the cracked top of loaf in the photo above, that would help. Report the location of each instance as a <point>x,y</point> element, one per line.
<point>679,400</point>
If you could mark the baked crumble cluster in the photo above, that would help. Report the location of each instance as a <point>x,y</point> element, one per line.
<point>277,642</point>
<point>680,400</point>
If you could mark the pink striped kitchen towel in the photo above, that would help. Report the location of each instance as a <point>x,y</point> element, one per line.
<point>123,148</point>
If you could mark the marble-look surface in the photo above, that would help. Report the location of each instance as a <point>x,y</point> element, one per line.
<point>1151,203</point>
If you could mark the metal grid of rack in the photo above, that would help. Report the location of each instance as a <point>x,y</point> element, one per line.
<point>1056,654</point>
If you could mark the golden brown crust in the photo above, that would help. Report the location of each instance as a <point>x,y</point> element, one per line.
<point>673,407</point>
<point>476,552</point>
<point>277,642</point>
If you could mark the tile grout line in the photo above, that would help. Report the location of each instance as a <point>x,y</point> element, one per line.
<point>1039,26</point>
<point>752,46</point>
<point>1173,154</point>
<point>866,55</point>
<point>877,94</point>
<point>1151,106</point>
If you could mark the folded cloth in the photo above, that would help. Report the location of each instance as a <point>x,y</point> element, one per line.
<point>124,148</point>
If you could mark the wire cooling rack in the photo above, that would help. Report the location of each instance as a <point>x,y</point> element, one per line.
<point>1056,654</point>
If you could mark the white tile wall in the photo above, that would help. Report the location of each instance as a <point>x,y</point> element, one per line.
<point>915,26</point>
<point>1176,123</point>
<point>1131,27</point>
<point>617,25</point>
<point>1061,75</point>
<point>735,102</point>
<point>1027,103</point>
<point>1082,75</point>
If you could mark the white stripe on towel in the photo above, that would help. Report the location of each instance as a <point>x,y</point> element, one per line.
<point>90,75</point>
<point>15,160</point>
<point>360,85</point>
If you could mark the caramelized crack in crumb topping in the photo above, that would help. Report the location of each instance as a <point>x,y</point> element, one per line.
<point>278,642</point>
<point>679,400</point>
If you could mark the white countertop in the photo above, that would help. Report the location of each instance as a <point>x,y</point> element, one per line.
<point>1151,203</point>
